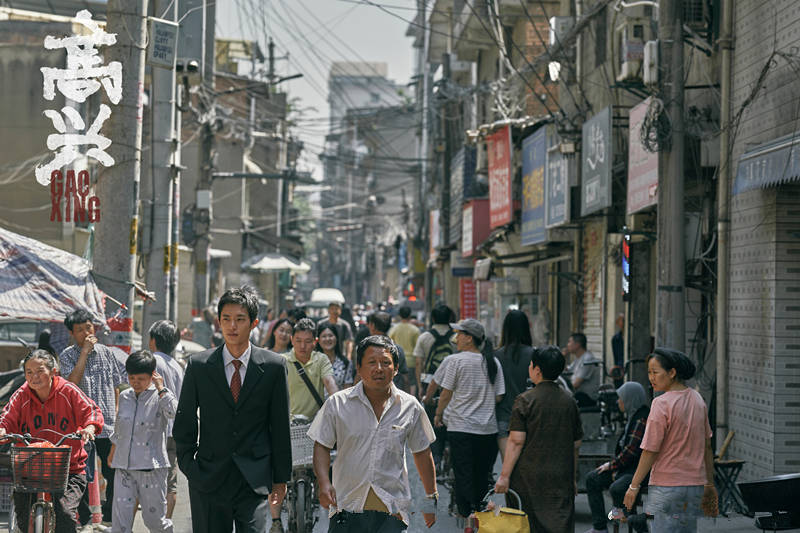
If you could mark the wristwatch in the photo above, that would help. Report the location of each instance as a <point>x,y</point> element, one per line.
<point>162,391</point>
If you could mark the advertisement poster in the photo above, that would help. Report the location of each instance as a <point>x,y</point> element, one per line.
<point>534,163</point>
<point>468,297</point>
<point>642,165</point>
<point>498,145</point>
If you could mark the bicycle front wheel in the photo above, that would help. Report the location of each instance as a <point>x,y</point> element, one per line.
<point>300,507</point>
<point>37,521</point>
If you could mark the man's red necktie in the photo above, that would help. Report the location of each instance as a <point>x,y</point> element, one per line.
<point>236,380</point>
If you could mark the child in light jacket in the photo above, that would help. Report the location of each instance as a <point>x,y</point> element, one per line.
<point>139,451</point>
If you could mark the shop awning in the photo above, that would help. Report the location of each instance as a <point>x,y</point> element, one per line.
<point>771,163</point>
<point>275,262</point>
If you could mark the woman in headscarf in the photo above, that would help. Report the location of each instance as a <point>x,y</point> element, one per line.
<point>616,475</point>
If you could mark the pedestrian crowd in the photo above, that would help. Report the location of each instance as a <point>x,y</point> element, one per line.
<point>370,393</point>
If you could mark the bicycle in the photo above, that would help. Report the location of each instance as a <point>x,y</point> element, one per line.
<point>41,471</point>
<point>301,489</point>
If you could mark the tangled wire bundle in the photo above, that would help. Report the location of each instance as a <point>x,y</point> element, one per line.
<point>656,132</point>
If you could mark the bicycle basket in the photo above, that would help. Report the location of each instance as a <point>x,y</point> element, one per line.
<point>302,445</point>
<point>40,469</point>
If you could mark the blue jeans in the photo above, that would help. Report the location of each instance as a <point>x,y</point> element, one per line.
<point>368,521</point>
<point>674,509</point>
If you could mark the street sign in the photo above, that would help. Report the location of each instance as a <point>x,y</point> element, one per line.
<point>597,153</point>
<point>163,41</point>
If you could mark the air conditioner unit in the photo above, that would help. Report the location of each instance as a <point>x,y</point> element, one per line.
<point>629,39</point>
<point>650,67</point>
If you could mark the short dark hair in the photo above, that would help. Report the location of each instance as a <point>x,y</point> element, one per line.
<point>245,296</point>
<point>668,359</point>
<point>580,338</point>
<point>381,341</point>
<point>297,314</point>
<point>549,360</point>
<point>78,316</point>
<point>441,314</point>
<point>166,336</point>
<point>404,312</point>
<point>381,320</point>
<point>141,362</point>
<point>305,324</point>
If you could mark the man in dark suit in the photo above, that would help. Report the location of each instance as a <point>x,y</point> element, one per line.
<point>243,455</point>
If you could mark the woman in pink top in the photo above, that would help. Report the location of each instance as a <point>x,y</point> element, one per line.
<point>677,447</point>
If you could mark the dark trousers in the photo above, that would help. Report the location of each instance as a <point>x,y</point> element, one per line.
<point>65,505</point>
<point>437,446</point>
<point>234,502</point>
<point>473,458</point>
<point>596,483</point>
<point>584,400</point>
<point>368,521</point>
<point>102,446</point>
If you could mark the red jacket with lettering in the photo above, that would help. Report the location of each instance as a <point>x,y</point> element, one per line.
<point>67,410</point>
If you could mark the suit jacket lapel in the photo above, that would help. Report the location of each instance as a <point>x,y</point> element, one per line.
<point>253,374</point>
<point>218,378</point>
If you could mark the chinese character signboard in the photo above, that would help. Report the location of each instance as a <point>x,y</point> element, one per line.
<point>84,76</point>
<point>468,297</point>
<point>476,225</point>
<point>498,146</point>
<point>534,162</point>
<point>462,179</point>
<point>642,165</point>
<point>597,162</point>
<point>768,164</point>
<point>557,181</point>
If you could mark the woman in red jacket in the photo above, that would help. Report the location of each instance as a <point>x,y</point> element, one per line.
<point>48,406</point>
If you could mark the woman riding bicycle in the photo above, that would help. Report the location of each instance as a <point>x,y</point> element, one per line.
<point>48,406</point>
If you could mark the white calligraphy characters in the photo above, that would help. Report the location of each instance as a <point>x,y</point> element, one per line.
<point>597,146</point>
<point>83,77</point>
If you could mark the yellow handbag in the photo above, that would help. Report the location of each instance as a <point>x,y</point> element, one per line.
<point>504,519</point>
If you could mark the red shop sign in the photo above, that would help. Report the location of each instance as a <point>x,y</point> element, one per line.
<point>498,145</point>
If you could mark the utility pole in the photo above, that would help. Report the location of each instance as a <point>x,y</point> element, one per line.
<point>203,214</point>
<point>158,270</point>
<point>670,296</point>
<point>118,186</point>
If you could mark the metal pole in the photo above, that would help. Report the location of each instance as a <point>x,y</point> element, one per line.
<point>157,273</point>
<point>670,325</point>
<point>118,186</point>
<point>723,221</point>
<point>176,209</point>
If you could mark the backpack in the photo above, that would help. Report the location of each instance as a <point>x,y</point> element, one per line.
<point>441,348</point>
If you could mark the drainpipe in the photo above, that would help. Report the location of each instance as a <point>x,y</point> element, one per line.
<point>723,222</point>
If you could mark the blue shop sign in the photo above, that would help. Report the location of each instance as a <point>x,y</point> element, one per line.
<point>534,161</point>
<point>771,163</point>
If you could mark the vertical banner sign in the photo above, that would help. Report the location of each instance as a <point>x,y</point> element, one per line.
<point>597,161</point>
<point>84,76</point>
<point>467,246</point>
<point>498,145</point>
<point>433,231</point>
<point>556,180</point>
<point>462,183</point>
<point>642,165</point>
<point>534,161</point>
<point>626,267</point>
<point>468,297</point>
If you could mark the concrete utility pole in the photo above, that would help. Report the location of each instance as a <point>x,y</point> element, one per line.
<point>118,186</point>
<point>203,214</point>
<point>157,274</point>
<point>670,323</point>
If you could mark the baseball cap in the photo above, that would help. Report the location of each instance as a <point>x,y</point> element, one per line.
<point>471,326</point>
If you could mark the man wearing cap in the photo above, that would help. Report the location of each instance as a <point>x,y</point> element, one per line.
<point>342,328</point>
<point>472,385</point>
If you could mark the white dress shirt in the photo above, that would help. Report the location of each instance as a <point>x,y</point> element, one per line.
<point>227,360</point>
<point>372,452</point>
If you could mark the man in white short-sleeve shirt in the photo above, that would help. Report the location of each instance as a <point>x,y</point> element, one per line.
<point>371,424</point>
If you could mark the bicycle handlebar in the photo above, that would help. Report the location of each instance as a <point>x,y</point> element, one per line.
<point>27,437</point>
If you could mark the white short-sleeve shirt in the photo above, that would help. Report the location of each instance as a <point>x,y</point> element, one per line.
<point>371,452</point>
<point>472,407</point>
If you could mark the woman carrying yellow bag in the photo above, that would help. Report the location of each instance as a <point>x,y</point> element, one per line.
<point>541,454</point>
<point>504,520</point>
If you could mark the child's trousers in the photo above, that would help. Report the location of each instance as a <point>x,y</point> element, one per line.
<point>149,488</point>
